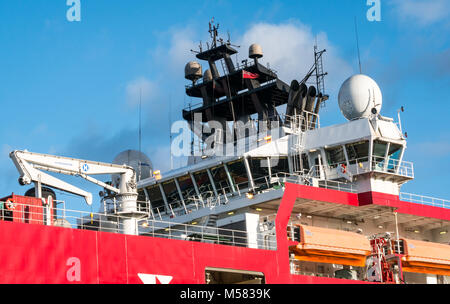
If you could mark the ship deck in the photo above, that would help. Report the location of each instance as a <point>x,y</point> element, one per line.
<point>49,254</point>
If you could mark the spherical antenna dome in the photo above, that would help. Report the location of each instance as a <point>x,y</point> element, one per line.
<point>135,159</point>
<point>359,97</point>
<point>193,71</point>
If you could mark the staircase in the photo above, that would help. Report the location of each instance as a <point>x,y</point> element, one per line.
<point>212,220</point>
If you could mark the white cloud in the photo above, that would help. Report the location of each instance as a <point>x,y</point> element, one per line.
<point>173,57</point>
<point>140,89</point>
<point>422,12</point>
<point>181,45</point>
<point>288,47</point>
<point>160,157</point>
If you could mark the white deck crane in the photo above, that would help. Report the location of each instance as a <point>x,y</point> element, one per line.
<point>30,164</point>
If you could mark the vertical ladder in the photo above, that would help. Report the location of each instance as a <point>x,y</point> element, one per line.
<point>298,145</point>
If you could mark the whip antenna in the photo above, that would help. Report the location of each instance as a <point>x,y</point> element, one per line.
<point>357,46</point>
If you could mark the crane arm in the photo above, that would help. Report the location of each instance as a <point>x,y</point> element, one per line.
<point>29,165</point>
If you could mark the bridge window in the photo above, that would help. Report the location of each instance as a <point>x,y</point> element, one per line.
<point>204,184</point>
<point>172,195</point>
<point>155,196</point>
<point>395,151</point>
<point>187,188</point>
<point>221,180</point>
<point>279,164</point>
<point>335,156</point>
<point>358,151</point>
<point>379,148</point>
<point>238,173</point>
<point>259,166</point>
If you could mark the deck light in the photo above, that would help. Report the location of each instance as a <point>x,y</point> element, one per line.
<point>258,209</point>
<point>381,227</point>
<point>194,223</point>
<point>443,232</point>
<point>250,195</point>
<point>145,224</point>
<point>416,231</point>
<point>309,216</point>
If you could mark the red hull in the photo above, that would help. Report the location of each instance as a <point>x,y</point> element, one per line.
<point>32,253</point>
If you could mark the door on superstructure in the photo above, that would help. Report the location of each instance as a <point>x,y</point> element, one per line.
<point>232,276</point>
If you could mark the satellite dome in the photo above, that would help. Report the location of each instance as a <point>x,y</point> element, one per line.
<point>255,51</point>
<point>359,97</point>
<point>135,159</point>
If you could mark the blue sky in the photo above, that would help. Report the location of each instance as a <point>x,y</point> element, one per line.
<point>71,88</point>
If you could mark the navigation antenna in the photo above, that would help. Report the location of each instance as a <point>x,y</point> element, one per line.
<point>357,46</point>
<point>140,132</point>
<point>170,131</point>
<point>317,70</point>
<point>320,75</point>
<point>213,32</point>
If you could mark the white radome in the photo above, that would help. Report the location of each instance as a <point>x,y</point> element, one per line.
<point>358,96</point>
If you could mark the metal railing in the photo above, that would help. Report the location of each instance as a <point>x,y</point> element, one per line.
<point>390,165</point>
<point>306,121</point>
<point>200,233</point>
<point>310,180</point>
<point>425,200</point>
<point>193,203</point>
<point>262,184</point>
<point>378,164</point>
<point>238,66</point>
<point>232,142</point>
<point>106,222</point>
<point>209,200</point>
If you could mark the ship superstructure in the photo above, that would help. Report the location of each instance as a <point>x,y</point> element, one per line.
<point>264,181</point>
<point>250,148</point>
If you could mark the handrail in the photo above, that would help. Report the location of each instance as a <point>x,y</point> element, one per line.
<point>424,200</point>
<point>204,233</point>
<point>264,183</point>
<point>113,223</point>
<point>378,164</point>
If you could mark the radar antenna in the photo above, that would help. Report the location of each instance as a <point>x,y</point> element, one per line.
<point>213,32</point>
<point>320,75</point>
<point>317,71</point>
